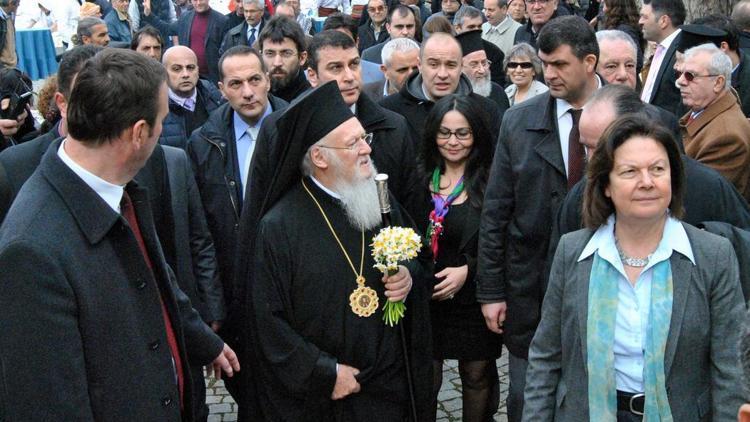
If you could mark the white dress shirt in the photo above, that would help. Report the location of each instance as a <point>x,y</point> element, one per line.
<point>565,124</point>
<point>110,193</point>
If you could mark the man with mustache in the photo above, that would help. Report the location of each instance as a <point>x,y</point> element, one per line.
<point>220,152</point>
<point>282,45</point>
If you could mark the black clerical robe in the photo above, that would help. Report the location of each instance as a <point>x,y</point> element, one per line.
<point>306,325</point>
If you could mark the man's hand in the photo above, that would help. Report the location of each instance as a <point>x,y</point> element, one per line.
<point>9,127</point>
<point>494,316</point>
<point>453,279</point>
<point>226,362</point>
<point>146,7</point>
<point>346,383</point>
<point>398,285</point>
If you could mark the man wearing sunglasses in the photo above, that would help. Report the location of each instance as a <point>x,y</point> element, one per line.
<point>714,130</point>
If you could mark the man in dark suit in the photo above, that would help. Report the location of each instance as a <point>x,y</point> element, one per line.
<point>202,29</point>
<point>401,60</point>
<point>401,23</point>
<point>220,153</point>
<point>708,195</point>
<point>110,267</point>
<point>248,31</point>
<point>191,99</point>
<point>537,159</point>
<point>660,21</point>
<point>539,13</point>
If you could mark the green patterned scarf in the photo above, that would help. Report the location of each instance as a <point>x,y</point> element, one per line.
<point>600,337</point>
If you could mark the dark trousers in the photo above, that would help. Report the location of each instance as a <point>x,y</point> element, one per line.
<point>517,383</point>
<point>625,416</point>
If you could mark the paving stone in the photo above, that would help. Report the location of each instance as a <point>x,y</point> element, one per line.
<point>219,408</point>
<point>230,417</point>
<point>214,418</point>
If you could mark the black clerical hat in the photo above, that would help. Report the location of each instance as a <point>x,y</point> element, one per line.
<point>693,35</point>
<point>470,41</point>
<point>305,122</point>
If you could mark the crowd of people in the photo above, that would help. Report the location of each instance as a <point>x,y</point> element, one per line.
<point>194,194</point>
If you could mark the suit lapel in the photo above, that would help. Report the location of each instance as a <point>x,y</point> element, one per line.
<point>682,274</point>
<point>548,146</point>
<point>667,65</point>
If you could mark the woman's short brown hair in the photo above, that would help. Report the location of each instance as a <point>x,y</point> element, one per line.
<point>597,207</point>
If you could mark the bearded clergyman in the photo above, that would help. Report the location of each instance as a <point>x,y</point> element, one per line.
<point>476,67</point>
<point>322,356</point>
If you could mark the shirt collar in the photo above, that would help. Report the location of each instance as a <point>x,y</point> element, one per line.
<point>497,27</point>
<point>666,42</point>
<point>325,189</point>
<point>240,127</point>
<point>674,239</point>
<point>181,100</point>
<point>110,193</point>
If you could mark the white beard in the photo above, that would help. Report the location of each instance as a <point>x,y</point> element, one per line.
<point>482,86</point>
<point>360,200</point>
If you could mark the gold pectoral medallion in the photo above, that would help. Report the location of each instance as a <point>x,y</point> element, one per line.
<point>363,300</point>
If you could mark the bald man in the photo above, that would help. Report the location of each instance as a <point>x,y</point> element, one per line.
<point>191,99</point>
<point>439,75</point>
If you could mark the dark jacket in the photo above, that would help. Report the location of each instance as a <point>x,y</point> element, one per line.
<point>214,35</point>
<point>296,87</point>
<point>374,90</point>
<point>159,18</point>
<point>665,93</point>
<point>119,30</point>
<point>496,56</point>
<point>238,36</point>
<point>213,155</point>
<point>741,82</point>
<point>174,128</point>
<point>526,186</point>
<point>411,103</point>
<point>366,36</point>
<point>96,329</point>
<point>745,42</point>
<point>372,54</point>
<point>195,255</point>
<point>526,34</point>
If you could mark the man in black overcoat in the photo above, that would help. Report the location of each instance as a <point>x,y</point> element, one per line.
<point>95,327</point>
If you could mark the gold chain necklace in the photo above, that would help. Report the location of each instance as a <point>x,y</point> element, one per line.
<point>363,300</point>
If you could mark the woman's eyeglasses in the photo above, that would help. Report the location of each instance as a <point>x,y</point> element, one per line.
<point>462,133</point>
<point>522,65</point>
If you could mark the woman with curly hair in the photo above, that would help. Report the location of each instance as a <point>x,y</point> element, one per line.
<point>47,106</point>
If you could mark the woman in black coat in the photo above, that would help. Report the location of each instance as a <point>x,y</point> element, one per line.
<point>455,157</point>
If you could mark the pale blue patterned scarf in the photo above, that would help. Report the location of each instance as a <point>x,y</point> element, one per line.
<point>600,337</point>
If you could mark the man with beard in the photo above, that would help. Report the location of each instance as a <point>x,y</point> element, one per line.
<point>282,45</point>
<point>400,59</point>
<point>439,75</point>
<point>191,99</point>
<point>334,56</point>
<point>477,68</point>
<point>470,19</point>
<point>327,355</point>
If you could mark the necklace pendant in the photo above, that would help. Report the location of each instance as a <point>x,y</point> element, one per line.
<point>363,300</point>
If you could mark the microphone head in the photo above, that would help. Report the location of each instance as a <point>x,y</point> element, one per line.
<point>381,181</point>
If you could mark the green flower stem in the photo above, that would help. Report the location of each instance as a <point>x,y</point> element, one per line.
<point>393,311</point>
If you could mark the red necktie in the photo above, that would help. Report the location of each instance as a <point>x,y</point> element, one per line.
<point>128,212</point>
<point>575,151</point>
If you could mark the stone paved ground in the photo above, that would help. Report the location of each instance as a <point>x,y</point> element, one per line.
<point>222,407</point>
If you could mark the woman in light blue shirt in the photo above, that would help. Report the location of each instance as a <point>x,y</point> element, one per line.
<point>639,320</point>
